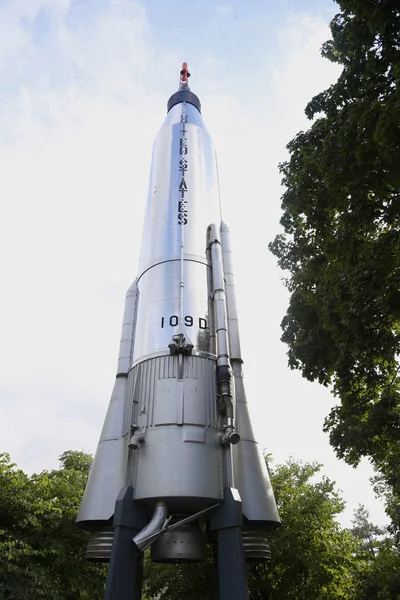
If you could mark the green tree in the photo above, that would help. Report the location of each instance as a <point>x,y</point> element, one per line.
<point>196,581</point>
<point>41,548</point>
<point>379,572</point>
<point>341,242</point>
<point>383,490</point>
<point>380,579</point>
<point>367,532</point>
<point>312,557</point>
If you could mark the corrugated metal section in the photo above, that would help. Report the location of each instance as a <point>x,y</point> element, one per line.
<point>130,412</point>
<point>255,545</point>
<point>142,387</point>
<point>100,545</point>
<point>130,418</point>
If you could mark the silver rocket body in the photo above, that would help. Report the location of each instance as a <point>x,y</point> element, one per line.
<point>174,420</point>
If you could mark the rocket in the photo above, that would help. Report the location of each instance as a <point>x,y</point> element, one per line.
<point>177,432</point>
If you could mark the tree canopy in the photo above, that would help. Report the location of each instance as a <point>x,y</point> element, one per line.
<point>341,243</point>
<point>379,576</point>
<point>41,548</point>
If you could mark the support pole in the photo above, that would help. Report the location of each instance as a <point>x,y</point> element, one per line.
<point>125,572</point>
<point>227,521</point>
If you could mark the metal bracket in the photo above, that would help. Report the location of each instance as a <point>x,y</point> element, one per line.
<point>179,345</point>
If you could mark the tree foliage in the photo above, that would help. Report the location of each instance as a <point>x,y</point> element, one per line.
<point>341,242</point>
<point>41,548</point>
<point>379,577</point>
<point>367,532</point>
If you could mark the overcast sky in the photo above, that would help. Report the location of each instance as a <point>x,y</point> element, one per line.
<point>83,90</point>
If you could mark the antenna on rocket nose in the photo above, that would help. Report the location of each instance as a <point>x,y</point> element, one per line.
<point>183,94</point>
<point>184,74</point>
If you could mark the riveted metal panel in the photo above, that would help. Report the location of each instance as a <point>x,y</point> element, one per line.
<point>168,397</point>
<point>179,470</point>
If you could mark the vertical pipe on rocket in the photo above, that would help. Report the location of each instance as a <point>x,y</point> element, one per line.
<point>210,302</point>
<point>221,322</point>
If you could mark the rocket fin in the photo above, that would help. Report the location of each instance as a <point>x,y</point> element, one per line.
<point>109,469</point>
<point>108,472</point>
<point>249,469</point>
<point>128,331</point>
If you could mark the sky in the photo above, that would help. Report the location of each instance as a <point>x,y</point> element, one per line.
<point>83,90</point>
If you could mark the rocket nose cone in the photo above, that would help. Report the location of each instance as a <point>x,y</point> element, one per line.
<point>184,93</point>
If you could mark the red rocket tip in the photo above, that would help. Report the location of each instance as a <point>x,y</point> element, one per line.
<point>184,74</point>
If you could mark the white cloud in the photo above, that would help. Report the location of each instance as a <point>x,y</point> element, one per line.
<point>224,10</point>
<point>54,72</point>
<point>15,20</point>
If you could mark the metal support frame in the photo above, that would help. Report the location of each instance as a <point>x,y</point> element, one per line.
<point>227,521</point>
<point>125,572</point>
